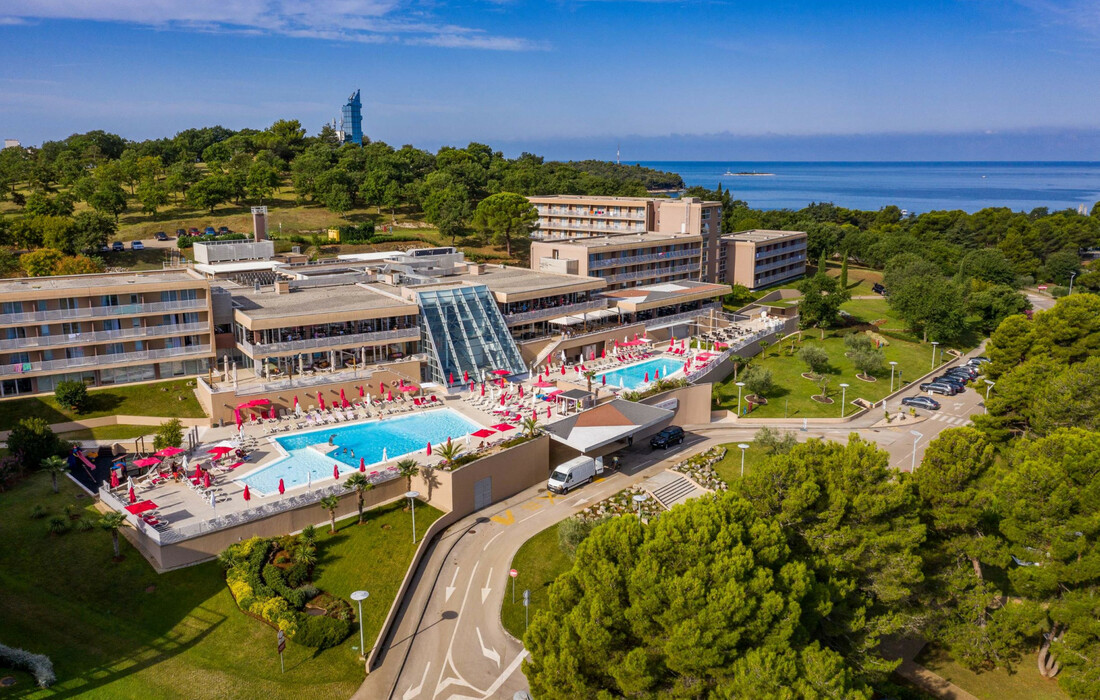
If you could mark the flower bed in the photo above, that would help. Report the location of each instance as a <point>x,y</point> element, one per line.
<point>622,503</point>
<point>270,580</point>
<point>700,468</point>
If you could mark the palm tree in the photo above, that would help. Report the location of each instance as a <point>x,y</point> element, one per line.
<point>308,535</point>
<point>112,522</point>
<point>449,451</point>
<point>54,466</point>
<point>737,360</point>
<point>331,503</point>
<point>306,553</point>
<point>408,468</point>
<point>590,374</point>
<point>530,426</point>
<point>361,484</point>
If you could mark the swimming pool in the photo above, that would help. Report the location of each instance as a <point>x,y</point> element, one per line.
<point>633,376</point>
<point>399,436</point>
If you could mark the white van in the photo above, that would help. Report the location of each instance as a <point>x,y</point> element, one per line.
<point>573,473</point>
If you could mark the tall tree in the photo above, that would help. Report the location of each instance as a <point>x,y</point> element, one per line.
<point>506,218</point>
<point>819,305</point>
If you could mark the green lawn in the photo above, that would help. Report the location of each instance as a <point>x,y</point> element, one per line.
<point>1024,683</point>
<point>539,561</point>
<point>729,467</point>
<point>168,399</point>
<point>109,432</point>
<point>119,630</point>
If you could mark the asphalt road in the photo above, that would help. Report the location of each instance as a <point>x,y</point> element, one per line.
<point>448,641</point>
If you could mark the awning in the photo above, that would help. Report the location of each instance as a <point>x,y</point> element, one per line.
<point>566,320</point>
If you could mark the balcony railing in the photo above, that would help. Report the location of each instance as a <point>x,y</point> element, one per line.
<point>658,272</point>
<point>554,312</point>
<point>19,368</point>
<point>102,311</point>
<point>332,341</point>
<point>672,319</point>
<point>633,215</point>
<point>781,263</point>
<point>93,337</point>
<point>648,257</point>
<point>596,228</point>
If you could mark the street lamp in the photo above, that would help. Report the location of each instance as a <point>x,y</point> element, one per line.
<point>934,344</point>
<point>412,496</point>
<point>639,499</point>
<point>988,387</point>
<point>743,447</point>
<point>916,437</point>
<point>893,366</point>
<point>740,385</point>
<point>1071,276</point>
<point>843,394</point>
<point>359,597</point>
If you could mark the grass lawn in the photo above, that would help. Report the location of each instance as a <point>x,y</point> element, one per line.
<point>539,561</point>
<point>120,630</point>
<point>167,399</point>
<point>109,432</point>
<point>729,467</point>
<point>1024,683</point>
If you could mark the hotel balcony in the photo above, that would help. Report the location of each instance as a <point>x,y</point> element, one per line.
<point>258,350</point>
<point>89,312</point>
<point>93,337</point>
<point>636,259</point>
<point>19,369</point>
<point>554,311</point>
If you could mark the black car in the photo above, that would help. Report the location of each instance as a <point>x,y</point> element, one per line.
<point>181,232</point>
<point>969,372</point>
<point>672,435</point>
<point>877,288</point>
<point>921,402</point>
<point>118,246</point>
<point>223,229</point>
<point>160,236</point>
<point>939,388</point>
<point>954,381</point>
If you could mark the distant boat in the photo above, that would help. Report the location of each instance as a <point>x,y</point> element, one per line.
<point>745,173</point>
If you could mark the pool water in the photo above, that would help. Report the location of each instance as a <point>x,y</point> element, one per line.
<point>633,376</point>
<point>399,436</point>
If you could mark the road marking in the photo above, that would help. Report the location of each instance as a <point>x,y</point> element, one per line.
<point>531,506</point>
<point>487,590</point>
<point>506,519</point>
<point>451,588</point>
<point>413,692</point>
<point>548,496</point>
<point>488,652</point>
<point>491,690</point>
<point>491,540</point>
<point>579,501</point>
<point>444,681</point>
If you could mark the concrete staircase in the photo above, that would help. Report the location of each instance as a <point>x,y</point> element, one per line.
<point>670,488</point>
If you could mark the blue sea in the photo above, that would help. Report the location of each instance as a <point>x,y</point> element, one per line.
<point>916,187</point>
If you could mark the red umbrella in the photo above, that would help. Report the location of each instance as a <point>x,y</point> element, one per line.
<point>321,400</point>
<point>247,495</point>
<point>133,498</point>
<point>534,414</point>
<point>343,399</point>
<point>295,403</point>
<point>603,378</point>
<point>547,411</point>
<point>272,411</point>
<point>450,378</point>
<point>563,369</point>
<point>114,479</point>
<point>429,448</point>
<point>237,417</point>
<point>198,472</point>
<point>362,465</point>
<point>647,376</point>
<point>206,480</point>
<point>389,396</point>
<point>219,451</point>
<point>471,387</point>
<point>657,375</point>
<point>169,452</point>
<point>521,391</point>
<point>336,471</point>
<point>282,489</point>
<point>483,388</point>
<point>360,391</point>
<point>603,353</point>
<point>465,376</point>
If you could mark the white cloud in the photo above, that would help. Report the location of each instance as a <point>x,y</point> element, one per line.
<point>1084,15</point>
<point>368,21</point>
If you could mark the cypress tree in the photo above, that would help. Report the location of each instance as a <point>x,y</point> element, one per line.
<point>821,264</point>
<point>844,270</point>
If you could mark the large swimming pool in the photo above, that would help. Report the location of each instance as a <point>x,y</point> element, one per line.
<point>399,436</point>
<point>633,376</point>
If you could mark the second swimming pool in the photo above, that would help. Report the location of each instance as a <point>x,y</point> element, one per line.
<point>633,376</point>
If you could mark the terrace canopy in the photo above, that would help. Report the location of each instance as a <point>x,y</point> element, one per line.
<point>598,427</point>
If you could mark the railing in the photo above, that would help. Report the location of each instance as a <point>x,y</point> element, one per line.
<point>780,250</point>
<point>775,277</point>
<point>554,312</point>
<point>658,272</point>
<point>635,259</point>
<point>253,385</point>
<point>592,213</point>
<point>780,263</point>
<point>104,336</point>
<point>102,311</point>
<point>254,349</point>
<point>662,321</point>
<point>598,228</point>
<point>18,368</point>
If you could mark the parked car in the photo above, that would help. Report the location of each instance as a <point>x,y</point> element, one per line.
<point>193,232</point>
<point>968,372</point>
<point>572,474</point>
<point>118,246</point>
<point>954,381</point>
<point>939,388</point>
<point>105,248</point>
<point>672,435</point>
<point>181,232</point>
<point>980,360</point>
<point>223,229</point>
<point>137,245</point>
<point>926,402</point>
<point>209,231</point>
<point>160,236</point>
<point>877,288</point>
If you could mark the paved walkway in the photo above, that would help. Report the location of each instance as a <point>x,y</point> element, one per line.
<point>907,649</point>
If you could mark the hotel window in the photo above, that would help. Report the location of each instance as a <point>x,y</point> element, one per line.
<point>11,307</point>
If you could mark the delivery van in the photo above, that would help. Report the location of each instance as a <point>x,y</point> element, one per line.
<point>573,473</point>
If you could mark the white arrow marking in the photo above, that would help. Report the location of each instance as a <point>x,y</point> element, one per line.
<point>489,652</point>
<point>413,692</point>
<point>451,588</point>
<point>579,501</point>
<point>487,590</point>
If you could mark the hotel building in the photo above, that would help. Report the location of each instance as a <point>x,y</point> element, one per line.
<point>758,259</point>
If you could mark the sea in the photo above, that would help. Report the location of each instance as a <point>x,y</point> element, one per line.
<point>916,186</point>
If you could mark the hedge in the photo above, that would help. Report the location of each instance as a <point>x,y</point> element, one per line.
<point>38,665</point>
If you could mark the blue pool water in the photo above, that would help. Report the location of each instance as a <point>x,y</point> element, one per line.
<point>633,376</point>
<point>399,436</point>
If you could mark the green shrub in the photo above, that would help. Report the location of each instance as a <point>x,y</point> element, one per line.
<point>321,632</point>
<point>169,434</point>
<point>357,234</point>
<point>37,665</point>
<point>85,525</point>
<point>38,512</point>
<point>295,597</point>
<point>33,441</point>
<point>58,525</point>
<point>72,395</point>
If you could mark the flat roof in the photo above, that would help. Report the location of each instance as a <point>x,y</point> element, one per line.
<point>309,301</point>
<point>94,282</point>
<point>604,424</point>
<point>667,291</point>
<point>516,281</point>
<point>761,235</point>
<point>236,266</point>
<point>627,239</point>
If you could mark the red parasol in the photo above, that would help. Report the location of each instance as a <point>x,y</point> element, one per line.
<point>483,388</point>
<point>656,375</point>
<point>647,377</point>
<point>362,464</point>
<point>247,495</point>
<point>198,472</point>
<point>146,462</point>
<point>450,378</point>
<point>237,417</point>
<point>429,448</point>
<point>133,498</point>
<point>219,450</point>
<point>503,426</point>
<point>360,391</point>
<point>336,471</point>
<point>483,433</point>
<point>547,411</point>
<point>603,353</point>
<point>295,403</point>
<point>521,391</point>
<point>465,376</point>
<point>321,400</point>
<point>282,488</point>
<point>206,480</point>
<point>603,378</point>
<point>114,479</point>
<point>563,370</point>
<point>389,396</point>
<point>343,399</point>
<point>500,372</point>
<point>169,452</point>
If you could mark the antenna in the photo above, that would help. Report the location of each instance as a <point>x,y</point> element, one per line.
<point>617,155</point>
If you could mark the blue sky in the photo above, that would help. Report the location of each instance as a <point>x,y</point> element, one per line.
<point>568,77</point>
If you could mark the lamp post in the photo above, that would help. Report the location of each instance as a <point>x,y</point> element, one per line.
<point>893,366</point>
<point>412,496</point>
<point>743,447</point>
<point>934,344</point>
<point>843,394</point>
<point>740,385</point>
<point>988,387</point>
<point>916,437</point>
<point>359,597</point>
<point>639,499</point>
<point>1071,276</point>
